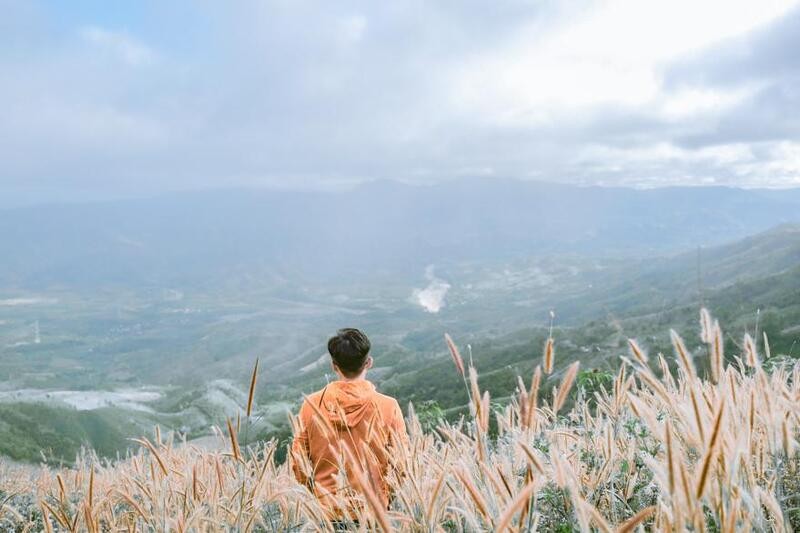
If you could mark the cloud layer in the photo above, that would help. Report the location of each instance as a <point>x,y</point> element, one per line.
<point>323,94</point>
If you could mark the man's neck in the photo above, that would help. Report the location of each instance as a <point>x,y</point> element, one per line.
<point>360,377</point>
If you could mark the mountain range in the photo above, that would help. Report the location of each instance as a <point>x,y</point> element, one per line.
<point>370,231</point>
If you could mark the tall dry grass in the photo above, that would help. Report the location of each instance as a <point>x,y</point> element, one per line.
<point>660,449</point>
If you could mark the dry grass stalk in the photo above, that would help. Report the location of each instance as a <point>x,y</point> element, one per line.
<point>455,354</point>
<point>767,351</point>
<point>147,444</point>
<point>252,392</point>
<point>515,505</point>
<point>684,357</point>
<point>474,493</point>
<point>237,455</point>
<point>366,488</point>
<point>706,326</point>
<point>670,457</point>
<point>533,395</point>
<point>711,449</point>
<point>637,352</point>
<point>630,524</point>
<point>549,356</point>
<point>566,385</point>
<point>751,357</point>
<point>717,353</point>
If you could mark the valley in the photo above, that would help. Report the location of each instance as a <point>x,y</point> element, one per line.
<point>116,362</point>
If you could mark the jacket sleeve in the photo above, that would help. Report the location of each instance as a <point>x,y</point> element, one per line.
<point>399,426</point>
<point>399,441</point>
<point>299,452</point>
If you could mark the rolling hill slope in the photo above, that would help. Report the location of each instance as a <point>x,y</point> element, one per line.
<point>754,279</point>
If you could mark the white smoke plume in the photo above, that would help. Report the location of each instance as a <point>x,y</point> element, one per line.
<point>431,298</point>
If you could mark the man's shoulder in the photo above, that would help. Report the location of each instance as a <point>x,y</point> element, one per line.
<point>385,399</point>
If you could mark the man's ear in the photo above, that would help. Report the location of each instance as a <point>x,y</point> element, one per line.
<point>368,364</point>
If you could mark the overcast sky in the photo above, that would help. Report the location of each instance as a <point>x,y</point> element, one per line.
<point>105,99</point>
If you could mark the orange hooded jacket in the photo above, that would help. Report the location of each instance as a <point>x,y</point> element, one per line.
<point>352,415</point>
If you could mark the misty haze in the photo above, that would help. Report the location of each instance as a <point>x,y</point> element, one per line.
<point>569,231</point>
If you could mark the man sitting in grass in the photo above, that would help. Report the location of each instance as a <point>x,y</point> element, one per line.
<point>347,423</point>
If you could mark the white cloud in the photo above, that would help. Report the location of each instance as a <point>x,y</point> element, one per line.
<point>352,28</point>
<point>611,54</point>
<point>692,101</point>
<point>319,94</point>
<point>766,164</point>
<point>780,166</point>
<point>125,47</point>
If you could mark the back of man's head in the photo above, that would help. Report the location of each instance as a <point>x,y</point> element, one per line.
<point>349,349</point>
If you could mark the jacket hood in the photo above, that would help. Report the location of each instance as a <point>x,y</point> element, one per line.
<point>348,402</point>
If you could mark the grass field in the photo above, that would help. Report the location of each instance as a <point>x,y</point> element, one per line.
<point>660,445</point>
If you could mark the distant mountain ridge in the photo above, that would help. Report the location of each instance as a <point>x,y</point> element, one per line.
<point>692,277</point>
<point>375,229</point>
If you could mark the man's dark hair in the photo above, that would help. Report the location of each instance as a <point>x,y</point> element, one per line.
<point>349,349</point>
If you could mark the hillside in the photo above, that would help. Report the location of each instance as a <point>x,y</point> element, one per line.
<point>755,279</point>
<point>192,351</point>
